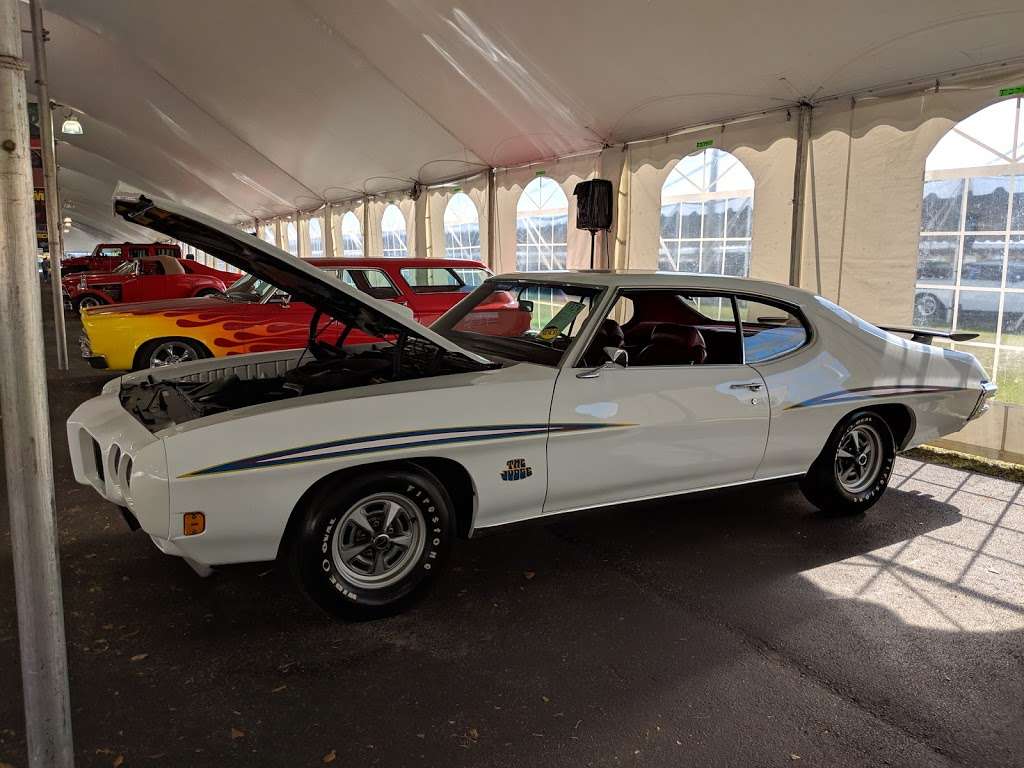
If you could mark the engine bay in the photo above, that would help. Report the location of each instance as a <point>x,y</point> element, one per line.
<point>161,403</point>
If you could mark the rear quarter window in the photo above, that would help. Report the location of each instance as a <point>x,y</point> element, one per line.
<point>770,330</point>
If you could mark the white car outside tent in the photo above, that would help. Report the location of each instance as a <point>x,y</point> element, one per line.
<point>360,465</point>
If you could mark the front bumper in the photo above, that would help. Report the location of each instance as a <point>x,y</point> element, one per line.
<point>120,459</point>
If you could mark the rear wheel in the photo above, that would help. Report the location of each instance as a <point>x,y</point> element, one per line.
<point>853,469</point>
<point>369,546</point>
<point>88,302</point>
<point>163,352</point>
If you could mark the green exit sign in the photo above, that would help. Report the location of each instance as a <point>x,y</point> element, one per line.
<point>1016,90</point>
<point>705,144</point>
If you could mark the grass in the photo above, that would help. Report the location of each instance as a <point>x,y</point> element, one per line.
<point>1003,470</point>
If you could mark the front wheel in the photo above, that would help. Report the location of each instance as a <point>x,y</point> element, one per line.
<point>163,352</point>
<point>88,302</point>
<point>853,469</point>
<point>368,546</point>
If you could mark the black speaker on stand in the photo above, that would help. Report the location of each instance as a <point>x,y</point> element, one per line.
<point>594,208</point>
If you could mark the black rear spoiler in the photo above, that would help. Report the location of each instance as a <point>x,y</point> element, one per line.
<point>925,335</point>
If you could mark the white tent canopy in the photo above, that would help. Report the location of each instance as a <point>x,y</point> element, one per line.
<point>254,109</point>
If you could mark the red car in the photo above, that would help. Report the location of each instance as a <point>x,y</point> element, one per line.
<point>145,279</point>
<point>106,257</point>
<point>253,316</point>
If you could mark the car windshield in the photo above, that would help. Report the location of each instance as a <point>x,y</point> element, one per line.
<point>249,288</point>
<point>127,268</point>
<point>521,320</point>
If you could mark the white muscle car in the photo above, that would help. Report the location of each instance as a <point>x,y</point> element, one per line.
<point>537,395</point>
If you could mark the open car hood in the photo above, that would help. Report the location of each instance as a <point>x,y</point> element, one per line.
<point>302,281</point>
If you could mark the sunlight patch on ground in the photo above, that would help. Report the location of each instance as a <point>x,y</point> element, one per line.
<point>967,576</point>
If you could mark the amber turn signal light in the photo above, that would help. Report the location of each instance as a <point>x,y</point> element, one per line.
<point>195,522</point>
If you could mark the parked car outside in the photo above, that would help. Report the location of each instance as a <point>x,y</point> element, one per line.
<point>358,466</point>
<point>253,316</point>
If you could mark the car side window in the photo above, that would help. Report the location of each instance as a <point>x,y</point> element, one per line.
<point>374,282</point>
<point>138,253</point>
<point>668,328</point>
<point>152,268</point>
<point>114,252</point>
<point>769,330</point>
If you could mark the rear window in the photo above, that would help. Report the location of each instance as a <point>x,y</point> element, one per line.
<point>437,279</point>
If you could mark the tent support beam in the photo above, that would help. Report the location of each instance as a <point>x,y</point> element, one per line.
<point>24,411</point>
<point>54,233</point>
<point>803,145</point>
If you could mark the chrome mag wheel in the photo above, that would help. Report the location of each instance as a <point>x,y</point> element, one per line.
<point>88,302</point>
<point>170,352</point>
<point>378,540</point>
<point>859,458</point>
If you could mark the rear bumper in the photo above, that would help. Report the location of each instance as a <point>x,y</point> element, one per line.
<point>988,393</point>
<point>96,361</point>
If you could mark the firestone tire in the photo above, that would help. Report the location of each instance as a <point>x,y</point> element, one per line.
<point>369,547</point>
<point>853,470</point>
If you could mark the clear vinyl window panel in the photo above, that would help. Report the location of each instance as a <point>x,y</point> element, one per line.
<point>461,228</point>
<point>970,260</point>
<point>316,239</point>
<point>351,235</point>
<point>707,206</point>
<point>393,232</point>
<point>542,227</point>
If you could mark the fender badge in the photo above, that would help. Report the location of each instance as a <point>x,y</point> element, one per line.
<point>516,469</point>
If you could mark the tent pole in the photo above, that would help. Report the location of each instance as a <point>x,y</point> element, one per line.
<point>25,415</point>
<point>803,145</point>
<point>54,233</point>
<point>328,231</point>
<point>492,223</point>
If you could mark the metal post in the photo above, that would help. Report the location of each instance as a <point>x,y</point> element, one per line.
<point>54,233</point>
<point>26,427</point>
<point>492,221</point>
<point>366,227</point>
<point>803,145</point>
<point>328,231</point>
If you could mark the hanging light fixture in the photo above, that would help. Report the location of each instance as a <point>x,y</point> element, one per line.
<point>71,125</point>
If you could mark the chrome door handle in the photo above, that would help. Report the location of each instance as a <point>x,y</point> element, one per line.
<point>753,386</point>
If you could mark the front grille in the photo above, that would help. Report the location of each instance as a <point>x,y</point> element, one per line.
<point>97,457</point>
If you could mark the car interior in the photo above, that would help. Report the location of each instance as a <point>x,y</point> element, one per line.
<point>662,328</point>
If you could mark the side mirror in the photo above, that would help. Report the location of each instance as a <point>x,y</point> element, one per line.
<point>616,357</point>
<point>526,305</point>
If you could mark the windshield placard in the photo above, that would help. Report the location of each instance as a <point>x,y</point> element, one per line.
<point>561,321</point>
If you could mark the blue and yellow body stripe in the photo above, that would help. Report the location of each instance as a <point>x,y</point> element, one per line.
<point>356,446</point>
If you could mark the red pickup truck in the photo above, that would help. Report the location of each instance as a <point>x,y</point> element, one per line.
<point>106,257</point>
<point>145,279</point>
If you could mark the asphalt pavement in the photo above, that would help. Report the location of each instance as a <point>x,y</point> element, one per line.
<point>739,629</point>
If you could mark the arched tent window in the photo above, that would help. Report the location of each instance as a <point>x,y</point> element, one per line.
<point>291,238</point>
<point>970,264</point>
<point>316,238</point>
<point>542,225</point>
<point>707,203</point>
<point>351,235</point>
<point>393,232</point>
<point>461,228</point>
